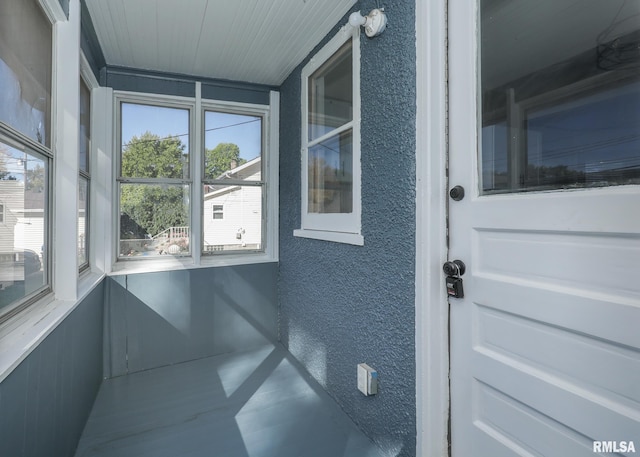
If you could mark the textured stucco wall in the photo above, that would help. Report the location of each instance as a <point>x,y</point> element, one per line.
<point>339,304</point>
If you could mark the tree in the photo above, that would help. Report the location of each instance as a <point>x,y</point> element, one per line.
<point>221,158</point>
<point>150,156</point>
<point>152,208</point>
<point>35,179</point>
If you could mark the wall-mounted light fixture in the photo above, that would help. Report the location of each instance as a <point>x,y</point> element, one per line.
<point>374,23</point>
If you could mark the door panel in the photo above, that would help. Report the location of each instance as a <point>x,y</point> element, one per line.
<point>545,344</point>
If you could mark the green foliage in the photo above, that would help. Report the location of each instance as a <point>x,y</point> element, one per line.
<point>219,159</point>
<point>149,208</point>
<point>150,156</point>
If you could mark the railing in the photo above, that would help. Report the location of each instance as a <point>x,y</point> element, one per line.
<point>173,233</point>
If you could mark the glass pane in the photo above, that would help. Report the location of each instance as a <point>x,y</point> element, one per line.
<point>155,142</point>
<point>331,93</point>
<point>85,126</point>
<point>23,199</point>
<point>233,146</point>
<point>83,213</point>
<point>154,220</point>
<point>560,90</point>
<point>232,219</point>
<point>25,68</point>
<point>331,175</point>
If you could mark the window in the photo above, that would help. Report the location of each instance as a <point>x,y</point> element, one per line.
<point>160,153</point>
<point>218,211</point>
<point>233,170</point>
<point>1,213</point>
<point>330,178</point>
<point>85,176</point>
<point>154,180</point>
<point>25,153</point>
<point>577,126</point>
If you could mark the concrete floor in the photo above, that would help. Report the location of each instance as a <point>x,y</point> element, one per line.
<point>259,403</point>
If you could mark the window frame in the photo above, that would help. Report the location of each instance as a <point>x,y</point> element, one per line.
<point>159,101</point>
<point>85,174</point>
<point>336,227</point>
<point>19,141</point>
<point>198,256</point>
<point>217,210</point>
<point>242,109</point>
<point>11,136</point>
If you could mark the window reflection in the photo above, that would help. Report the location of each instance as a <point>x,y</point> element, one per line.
<point>23,198</point>
<point>25,68</point>
<point>560,95</point>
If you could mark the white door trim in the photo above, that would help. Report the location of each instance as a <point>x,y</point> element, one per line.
<point>432,316</point>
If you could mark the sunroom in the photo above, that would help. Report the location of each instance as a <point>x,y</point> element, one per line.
<point>319,228</point>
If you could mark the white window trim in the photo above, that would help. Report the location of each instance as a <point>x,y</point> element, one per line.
<point>22,333</point>
<point>340,228</point>
<point>197,105</point>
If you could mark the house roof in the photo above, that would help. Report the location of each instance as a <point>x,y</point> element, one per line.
<point>247,172</point>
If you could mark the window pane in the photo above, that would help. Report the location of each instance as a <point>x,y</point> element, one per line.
<point>233,146</point>
<point>331,93</point>
<point>154,220</point>
<point>85,126</point>
<point>23,196</point>
<point>25,68</point>
<point>232,219</point>
<point>331,175</point>
<point>155,142</point>
<point>83,214</point>
<point>560,95</point>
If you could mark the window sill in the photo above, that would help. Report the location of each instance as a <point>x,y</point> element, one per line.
<point>125,267</point>
<point>20,335</point>
<point>336,237</point>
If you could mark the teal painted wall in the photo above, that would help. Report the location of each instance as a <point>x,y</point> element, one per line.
<point>341,305</point>
<point>45,401</point>
<point>158,319</point>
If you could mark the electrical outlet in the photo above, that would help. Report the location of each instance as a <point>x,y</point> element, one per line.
<point>367,379</point>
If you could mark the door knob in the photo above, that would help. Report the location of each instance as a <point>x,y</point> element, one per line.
<point>454,268</point>
<point>457,193</point>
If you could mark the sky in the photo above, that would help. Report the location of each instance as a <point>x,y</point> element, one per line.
<point>220,127</point>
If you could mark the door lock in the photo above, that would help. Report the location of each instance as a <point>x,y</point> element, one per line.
<point>454,270</point>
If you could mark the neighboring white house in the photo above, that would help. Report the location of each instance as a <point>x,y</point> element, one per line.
<point>232,216</point>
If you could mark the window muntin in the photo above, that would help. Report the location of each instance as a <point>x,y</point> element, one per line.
<point>25,69</point>
<point>331,142</point>
<point>154,185</point>
<point>23,235</point>
<point>233,182</point>
<point>563,120</point>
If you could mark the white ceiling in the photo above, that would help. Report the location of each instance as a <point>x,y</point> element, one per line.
<point>258,41</point>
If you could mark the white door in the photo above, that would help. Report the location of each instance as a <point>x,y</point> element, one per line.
<point>544,136</point>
